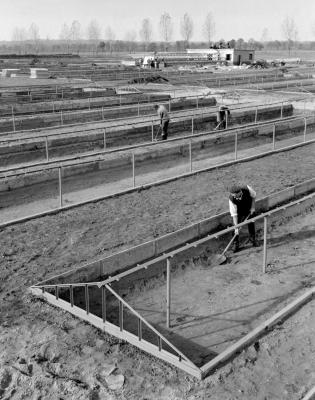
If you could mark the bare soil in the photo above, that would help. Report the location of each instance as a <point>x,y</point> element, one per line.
<point>47,354</point>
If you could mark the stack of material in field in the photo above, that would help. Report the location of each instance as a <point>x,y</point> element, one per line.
<point>39,73</point>
<point>8,72</point>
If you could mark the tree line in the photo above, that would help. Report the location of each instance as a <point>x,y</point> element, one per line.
<point>73,38</point>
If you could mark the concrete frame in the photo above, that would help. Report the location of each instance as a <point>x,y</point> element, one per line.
<point>182,362</point>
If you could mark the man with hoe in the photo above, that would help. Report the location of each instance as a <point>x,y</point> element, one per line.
<point>242,206</point>
<point>164,119</point>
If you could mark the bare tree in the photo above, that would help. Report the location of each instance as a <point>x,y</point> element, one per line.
<point>208,29</point>
<point>64,35</point>
<point>186,28</point>
<point>75,30</point>
<point>33,34</point>
<point>19,35</point>
<point>130,37</point>
<point>110,37</point>
<point>94,30</point>
<point>265,35</point>
<point>64,32</point>
<point>146,32</point>
<point>166,28</point>
<point>289,31</point>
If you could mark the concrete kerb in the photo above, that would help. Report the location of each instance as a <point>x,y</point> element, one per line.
<point>122,261</point>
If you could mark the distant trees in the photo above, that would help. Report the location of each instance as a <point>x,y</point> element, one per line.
<point>265,35</point>
<point>110,37</point>
<point>33,34</point>
<point>93,30</point>
<point>208,28</point>
<point>186,28</point>
<point>289,31</point>
<point>166,28</point>
<point>130,38</point>
<point>75,30</point>
<point>146,32</point>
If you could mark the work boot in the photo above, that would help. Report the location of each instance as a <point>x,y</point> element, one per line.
<point>254,242</point>
<point>236,244</point>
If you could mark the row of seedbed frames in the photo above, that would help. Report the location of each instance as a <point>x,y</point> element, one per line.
<point>137,109</point>
<point>12,173</point>
<point>114,124</point>
<point>61,92</point>
<point>63,296</point>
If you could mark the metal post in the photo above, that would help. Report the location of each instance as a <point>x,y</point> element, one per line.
<point>152,130</point>
<point>169,105</point>
<point>190,156</point>
<point>61,117</point>
<point>305,124</point>
<point>71,296</point>
<point>235,145</point>
<point>197,102</point>
<point>281,115</point>
<point>265,246</point>
<point>46,144</point>
<point>60,188</point>
<point>133,170</point>
<point>103,303</point>
<point>256,114</point>
<point>120,100</point>
<point>121,316</point>
<point>62,94</point>
<point>53,104</point>
<point>104,134</point>
<point>13,119</point>
<point>226,119</point>
<point>138,108</point>
<point>168,292</point>
<point>274,137</point>
<point>139,329</point>
<point>192,125</point>
<point>87,300</point>
<point>102,112</point>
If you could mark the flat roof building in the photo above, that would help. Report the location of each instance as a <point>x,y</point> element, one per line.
<point>230,56</point>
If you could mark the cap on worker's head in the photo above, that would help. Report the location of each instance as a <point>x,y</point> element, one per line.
<point>235,188</point>
<point>156,106</point>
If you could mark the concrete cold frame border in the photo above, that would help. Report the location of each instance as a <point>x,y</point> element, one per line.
<point>187,365</point>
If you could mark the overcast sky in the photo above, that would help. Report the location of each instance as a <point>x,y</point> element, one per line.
<point>234,18</point>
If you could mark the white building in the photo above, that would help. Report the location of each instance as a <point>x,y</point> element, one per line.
<point>230,56</point>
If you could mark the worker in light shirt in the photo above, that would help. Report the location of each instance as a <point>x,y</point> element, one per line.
<point>242,205</point>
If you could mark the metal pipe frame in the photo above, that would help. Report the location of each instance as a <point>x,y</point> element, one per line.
<point>136,146</point>
<point>170,254</point>
<point>149,185</point>
<point>191,112</point>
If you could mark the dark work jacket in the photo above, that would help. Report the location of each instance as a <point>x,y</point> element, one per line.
<point>243,205</point>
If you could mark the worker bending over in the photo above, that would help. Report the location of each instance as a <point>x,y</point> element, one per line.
<point>222,117</point>
<point>242,205</point>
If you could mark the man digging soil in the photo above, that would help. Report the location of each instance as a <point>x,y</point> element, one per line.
<point>242,206</point>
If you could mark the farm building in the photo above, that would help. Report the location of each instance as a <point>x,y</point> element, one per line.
<point>231,56</point>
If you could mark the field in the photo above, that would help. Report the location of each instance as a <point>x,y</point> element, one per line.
<point>48,354</point>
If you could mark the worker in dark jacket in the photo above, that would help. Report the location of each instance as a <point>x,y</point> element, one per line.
<point>223,116</point>
<point>242,205</point>
<point>164,119</point>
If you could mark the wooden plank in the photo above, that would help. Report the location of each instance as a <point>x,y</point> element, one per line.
<point>251,336</point>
